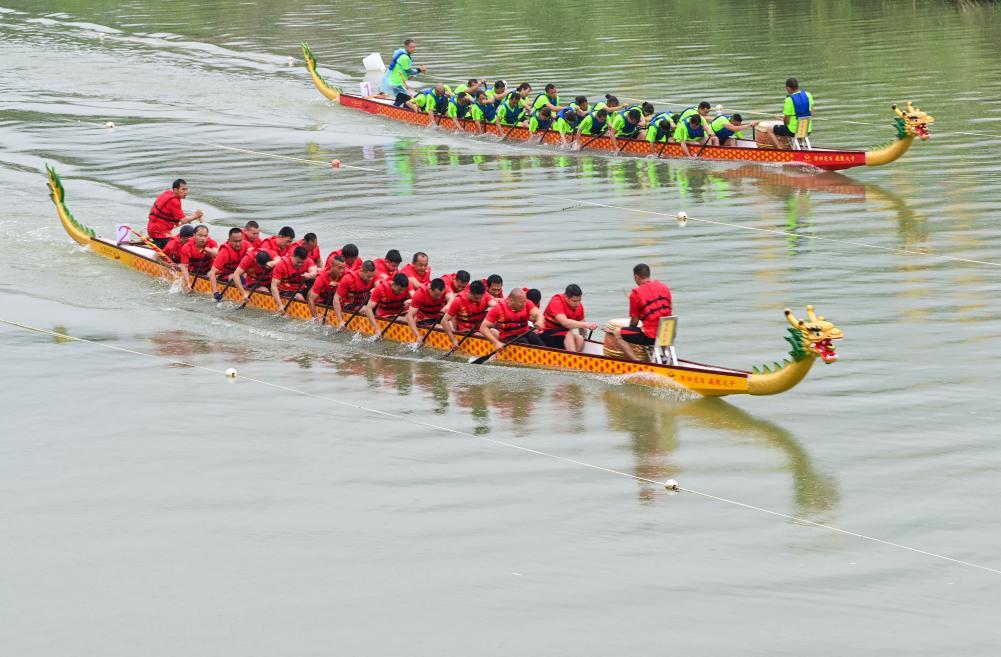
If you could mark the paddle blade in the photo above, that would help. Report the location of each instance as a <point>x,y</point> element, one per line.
<point>481,359</point>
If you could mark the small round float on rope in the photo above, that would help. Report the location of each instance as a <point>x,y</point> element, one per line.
<point>291,60</point>
<point>682,218</point>
<point>671,484</point>
<point>335,164</point>
<point>231,373</point>
<point>109,125</point>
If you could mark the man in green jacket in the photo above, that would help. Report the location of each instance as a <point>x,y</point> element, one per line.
<point>401,69</point>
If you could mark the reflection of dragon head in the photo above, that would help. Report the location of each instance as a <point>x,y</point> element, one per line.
<point>913,122</point>
<point>812,337</point>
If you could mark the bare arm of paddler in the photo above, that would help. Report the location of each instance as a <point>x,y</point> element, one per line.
<point>412,322</point>
<point>489,330</point>
<point>369,311</point>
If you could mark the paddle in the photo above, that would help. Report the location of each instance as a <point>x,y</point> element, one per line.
<point>430,330</point>
<point>292,298</point>
<point>483,359</point>
<point>625,142</point>
<point>222,295</point>
<point>392,321</point>
<point>464,337</point>
<point>354,314</point>
<point>509,131</point>
<point>704,144</point>
<point>588,143</point>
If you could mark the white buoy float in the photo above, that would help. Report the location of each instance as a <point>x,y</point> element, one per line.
<point>101,36</point>
<point>682,219</point>
<point>671,484</point>
<point>109,125</point>
<point>719,108</point>
<point>291,60</point>
<point>231,373</point>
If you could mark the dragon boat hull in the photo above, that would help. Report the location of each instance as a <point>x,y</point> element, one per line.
<point>706,380</point>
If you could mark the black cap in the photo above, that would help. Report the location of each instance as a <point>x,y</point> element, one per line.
<point>187,230</point>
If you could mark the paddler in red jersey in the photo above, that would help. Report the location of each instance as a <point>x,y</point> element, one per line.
<point>648,302</point>
<point>254,272</point>
<point>426,306</point>
<point>563,315</point>
<point>388,266</point>
<point>353,290</point>
<point>197,255</point>
<point>312,247</point>
<point>508,320</point>
<point>291,276</point>
<point>252,234</point>
<point>418,271</point>
<point>466,311</point>
<point>455,283</point>
<point>229,257</point>
<point>495,287</point>
<point>166,213</point>
<point>279,244</point>
<point>324,286</point>
<point>172,249</point>
<point>350,254</point>
<point>388,300</point>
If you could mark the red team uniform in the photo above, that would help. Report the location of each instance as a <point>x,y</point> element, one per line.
<point>388,303</point>
<point>289,276</point>
<point>649,301</point>
<point>228,259</point>
<point>352,289</point>
<point>197,260</point>
<point>427,308</point>
<point>165,215</point>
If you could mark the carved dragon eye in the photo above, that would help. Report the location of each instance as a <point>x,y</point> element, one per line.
<point>816,331</point>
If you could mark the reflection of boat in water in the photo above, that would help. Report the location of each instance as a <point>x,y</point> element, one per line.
<point>654,429</point>
<point>910,124</point>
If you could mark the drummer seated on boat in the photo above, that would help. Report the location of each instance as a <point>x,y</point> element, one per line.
<point>455,283</point>
<point>466,311</point>
<point>388,300</point>
<point>166,213</point>
<point>798,106</point>
<point>401,69</point>
<point>594,124</point>
<point>691,132</point>
<point>197,255</point>
<point>350,254</point>
<point>172,249</point>
<point>426,307</point>
<point>511,112</point>
<point>353,289</point>
<point>564,316</point>
<point>482,111</point>
<point>292,276</point>
<point>254,273</point>
<point>279,244</point>
<point>386,267</point>
<point>252,234</point>
<point>229,257</point>
<point>458,108</point>
<point>509,318</point>
<point>648,302</point>
<point>322,290</point>
<point>418,272</point>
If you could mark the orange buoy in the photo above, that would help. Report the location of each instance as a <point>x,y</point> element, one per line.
<point>335,163</point>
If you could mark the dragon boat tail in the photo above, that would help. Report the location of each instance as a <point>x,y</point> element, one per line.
<point>810,338</point>
<point>910,124</point>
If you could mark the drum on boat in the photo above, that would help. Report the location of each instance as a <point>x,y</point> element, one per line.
<point>611,348</point>
<point>761,135</point>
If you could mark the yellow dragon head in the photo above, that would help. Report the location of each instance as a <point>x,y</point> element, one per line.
<point>913,122</point>
<point>813,337</point>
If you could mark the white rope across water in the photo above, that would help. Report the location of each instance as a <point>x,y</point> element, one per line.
<point>503,443</point>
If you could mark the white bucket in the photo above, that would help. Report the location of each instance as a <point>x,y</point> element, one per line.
<point>374,63</point>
